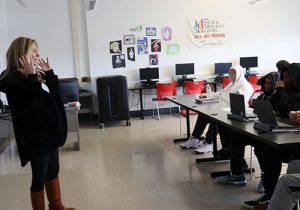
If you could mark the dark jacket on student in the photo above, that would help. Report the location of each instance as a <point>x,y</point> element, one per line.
<point>38,116</point>
<point>285,100</point>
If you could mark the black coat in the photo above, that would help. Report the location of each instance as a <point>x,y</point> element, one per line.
<point>285,100</point>
<point>39,117</point>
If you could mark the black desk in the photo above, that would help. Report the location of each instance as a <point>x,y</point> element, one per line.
<point>214,112</point>
<point>86,103</point>
<point>140,88</point>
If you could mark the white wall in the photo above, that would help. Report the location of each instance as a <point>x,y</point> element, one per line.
<point>49,23</point>
<point>269,30</point>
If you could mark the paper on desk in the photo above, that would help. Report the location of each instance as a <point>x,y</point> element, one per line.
<point>226,109</point>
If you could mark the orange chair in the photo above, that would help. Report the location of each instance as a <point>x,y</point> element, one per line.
<point>252,79</point>
<point>226,81</point>
<point>163,90</point>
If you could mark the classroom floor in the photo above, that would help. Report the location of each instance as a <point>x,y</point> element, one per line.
<point>133,168</point>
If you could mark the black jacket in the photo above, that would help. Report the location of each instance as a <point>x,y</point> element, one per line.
<point>286,100</point>
<point>273,77</point>
<point>39,117</point>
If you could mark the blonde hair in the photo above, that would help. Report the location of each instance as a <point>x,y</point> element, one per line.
<point>20,46</point>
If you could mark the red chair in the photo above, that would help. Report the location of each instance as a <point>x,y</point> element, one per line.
<point>163,90</point>
<point>252,79</point>
<point>225,82</point>
<point>191,87</point>
<point>255,94</point>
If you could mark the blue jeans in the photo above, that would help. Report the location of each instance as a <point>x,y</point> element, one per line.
<point>44,168</point>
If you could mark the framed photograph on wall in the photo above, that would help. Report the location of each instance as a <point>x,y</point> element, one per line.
<point>118,61</point>
<point>151,31</point>
<point>155,45</point>
<point>115,46</point>
<point>129,39</point>
<point>173,49</point>
<point>153,60</point>
<point>142,45</point>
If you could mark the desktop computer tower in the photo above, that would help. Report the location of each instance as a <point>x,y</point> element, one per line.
<point>112,99</point>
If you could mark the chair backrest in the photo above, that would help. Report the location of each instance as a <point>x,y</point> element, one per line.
<point>255,94</point>
<point>226,81</point>
<point>191,87</point>
<point>165,89</point>
<point>252,79</point>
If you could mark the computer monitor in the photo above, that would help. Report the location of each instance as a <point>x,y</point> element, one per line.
<point>69,90</point>
<point>222,68</point>
<point>248,62</point>
<point>184,69</point>
<point>149,74</point>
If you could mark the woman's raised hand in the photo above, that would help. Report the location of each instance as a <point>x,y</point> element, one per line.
<point>27,66</point>
<point>44,65</point>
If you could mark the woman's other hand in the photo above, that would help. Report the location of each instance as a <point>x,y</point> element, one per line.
<point>44,65</point>
<point>295,116</point>
<point>27,66</point>
<point>279,84</point>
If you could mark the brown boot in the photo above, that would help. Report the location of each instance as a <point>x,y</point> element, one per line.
<point>54,196</point>
<point>261,206</point>
<point>37,200</point>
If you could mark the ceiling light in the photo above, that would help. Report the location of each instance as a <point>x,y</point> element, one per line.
<point>256,1</point>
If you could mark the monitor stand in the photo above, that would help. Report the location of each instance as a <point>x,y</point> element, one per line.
<point>149,83</point>
<point>184,79</point>
<point>247,71</point>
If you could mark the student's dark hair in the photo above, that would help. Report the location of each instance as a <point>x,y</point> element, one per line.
<point>281,65</point>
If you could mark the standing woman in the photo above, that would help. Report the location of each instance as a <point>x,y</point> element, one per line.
<point>38,116</point>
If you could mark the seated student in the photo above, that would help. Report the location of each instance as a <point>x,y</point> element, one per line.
<point>283,197</point>
<point>237,148</point>
<point>238,84</point>
<point>245,88</point>
<point>285,100</point>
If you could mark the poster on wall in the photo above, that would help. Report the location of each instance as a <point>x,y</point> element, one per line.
<point>166,33</point>
<point>204,31</point>
<point>155,45</point>
<point>137,28</point>
<point>129,39</point>
<point>153,60</point>
<point>115,46</point>
<point>173,49</point>
<point>142,45</point>
<point>118,61</point>
<point>151,31</point>
<point>131,53</point>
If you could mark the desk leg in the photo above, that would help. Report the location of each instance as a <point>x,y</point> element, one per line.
<point>188,130</point>
<point>141,101</point>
